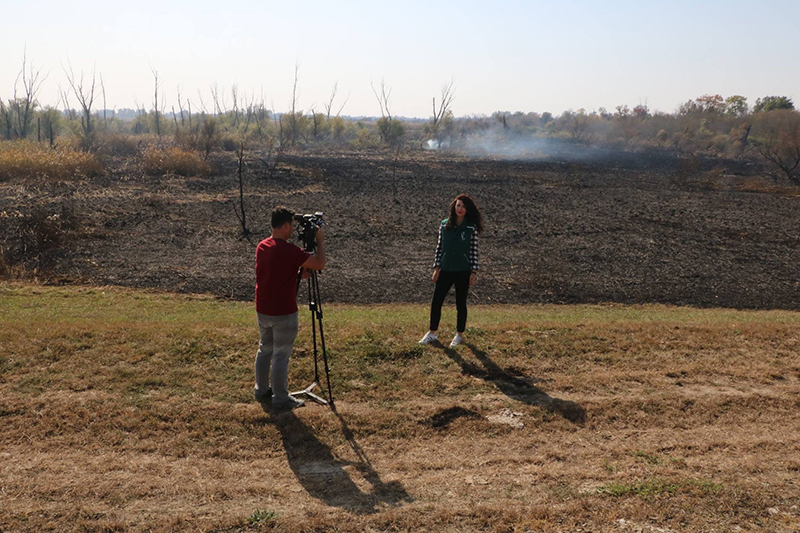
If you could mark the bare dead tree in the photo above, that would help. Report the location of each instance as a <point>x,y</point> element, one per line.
<point>261,118</point>
<point>6,116</point>
<point>235,98</point>
<point>85,95</point>
<point>293,116</point>
<point>140,112</point>
<point>439,114</point>
<point>180,106</point>
<point>273,144</point>
<point>241,214</point>
<point>778,143</point>
<point>391,131</point>
<point>139,107</point>
<point>64,98</point>
<point>155,101</point>
<point>329,104</point>
<point>103,89</point>
<point>220,108</point>
<point>18,112</point>
<point>383,99</point>
<point>202,103</point>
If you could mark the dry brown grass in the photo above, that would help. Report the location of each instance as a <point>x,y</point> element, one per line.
<point>768,186</point>
<point>173,160</point>
<point>25,160</point>
<point>131,410</point>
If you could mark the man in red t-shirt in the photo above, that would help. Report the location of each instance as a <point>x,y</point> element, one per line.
<point>278,263</point>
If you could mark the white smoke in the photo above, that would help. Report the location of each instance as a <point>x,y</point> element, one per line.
<point>499,143</point>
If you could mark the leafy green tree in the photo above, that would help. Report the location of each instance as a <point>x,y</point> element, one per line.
<point>209,134</point>
<point>713,104</point>
<point>295,126</point>
<point>337,127</point>
<point>50,123</point>
<point>772,103</point>
<point>17,116</point>
<point>624,123</point>
<point>391,131</point>
<point>578,124</point>
<point>736,106</point>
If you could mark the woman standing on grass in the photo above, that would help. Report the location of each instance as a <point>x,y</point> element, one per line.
<point>456,263</point>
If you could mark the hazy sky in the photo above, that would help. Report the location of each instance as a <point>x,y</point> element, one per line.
<point>503,55</point>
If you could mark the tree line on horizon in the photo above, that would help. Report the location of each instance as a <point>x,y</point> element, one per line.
<point>709,124</point>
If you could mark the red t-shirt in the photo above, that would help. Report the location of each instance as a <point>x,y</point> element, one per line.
<point>277,263</point>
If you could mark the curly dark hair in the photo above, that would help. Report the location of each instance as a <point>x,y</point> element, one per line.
<point>473,213</point>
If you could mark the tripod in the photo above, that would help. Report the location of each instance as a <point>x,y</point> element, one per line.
<point>315,306</point>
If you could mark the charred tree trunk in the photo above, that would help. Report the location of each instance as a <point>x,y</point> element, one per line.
<point>241,214</point>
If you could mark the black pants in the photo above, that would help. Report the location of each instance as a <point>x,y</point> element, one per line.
<point>443,284</point>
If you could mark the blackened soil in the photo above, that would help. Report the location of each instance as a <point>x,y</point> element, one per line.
<point>614,228</point>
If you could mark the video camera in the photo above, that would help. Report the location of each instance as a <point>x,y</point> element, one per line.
<point>307,230</point>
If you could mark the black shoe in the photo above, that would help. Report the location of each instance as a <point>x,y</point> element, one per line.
<point>263,397</point>
<point>291,403</point>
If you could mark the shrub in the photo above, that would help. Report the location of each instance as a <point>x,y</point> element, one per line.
<point>229,145</point>
<point>27,160</point>
<point>776,135</point>
<point>365,139</point>
<point>161,161</point>
<point>120,144</point>
<point>391,131</point>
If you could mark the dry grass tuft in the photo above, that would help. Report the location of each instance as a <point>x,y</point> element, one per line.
<point>25,160</point>
<point>173,160</point>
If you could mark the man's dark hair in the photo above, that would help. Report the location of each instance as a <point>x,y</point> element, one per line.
<point>280,216</point>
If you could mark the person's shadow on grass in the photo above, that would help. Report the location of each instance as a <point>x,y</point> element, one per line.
<point>516,387</point>
<point>324,476</point>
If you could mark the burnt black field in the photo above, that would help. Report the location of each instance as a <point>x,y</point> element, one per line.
<point>612,227</point>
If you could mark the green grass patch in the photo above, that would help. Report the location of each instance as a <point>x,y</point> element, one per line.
<point>647,458</point>
<point>644,489</point>
<point>261,517</point>
<point>656,487</point>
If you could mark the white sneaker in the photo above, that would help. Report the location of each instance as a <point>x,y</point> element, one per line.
<point>458,339</point>
<point>429,338</point>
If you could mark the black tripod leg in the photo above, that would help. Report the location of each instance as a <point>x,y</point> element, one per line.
<point>318,299</point>
<point>312,306</point>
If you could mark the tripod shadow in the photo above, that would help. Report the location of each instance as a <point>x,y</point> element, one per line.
<point>515,387</point>
<point>324,476</point>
